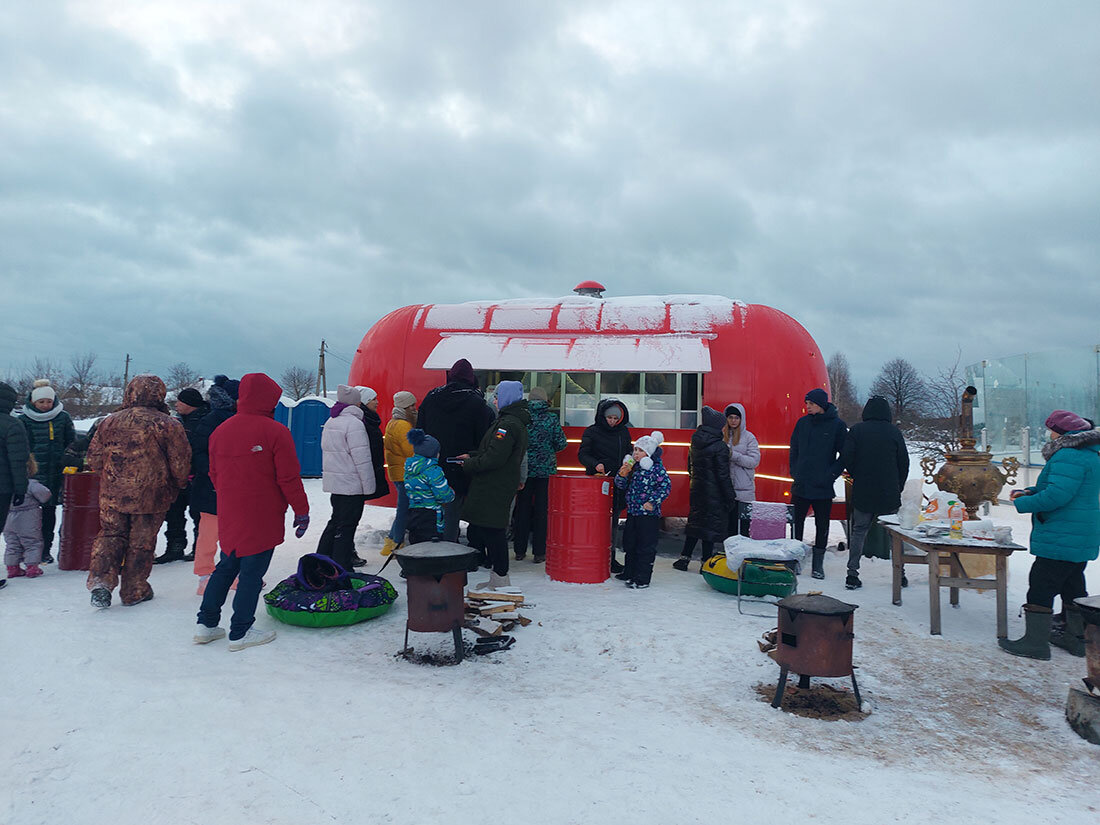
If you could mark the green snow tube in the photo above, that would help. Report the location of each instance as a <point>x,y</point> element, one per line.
<point>367,598</point>
<point>761,578</point>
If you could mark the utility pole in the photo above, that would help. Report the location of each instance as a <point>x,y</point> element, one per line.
<point>126,372</point>
<point>321,378</point>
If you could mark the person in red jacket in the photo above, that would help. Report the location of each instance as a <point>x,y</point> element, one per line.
<point>256,473</point>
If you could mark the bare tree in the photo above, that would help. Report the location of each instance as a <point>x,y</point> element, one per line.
<point>181,375</point>
<point>844,393</point>
<point>900,384</point>
<point>41,368</point>
<point>85,385</point>
<point>945,390</point>
<point>297,381</point>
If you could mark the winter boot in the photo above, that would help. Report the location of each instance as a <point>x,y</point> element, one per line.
<point>15,571</point>
<point>495,582</point>
<point>818,564</point>
<point>1035,643</point>
<point>852,582</point>
<point>388,546</point>
<point>171,554</point>
<point>1071,639</point>
<point>616,565</point>
<point>681,563</point>
<point>34,571</point>
<point>101,597</point>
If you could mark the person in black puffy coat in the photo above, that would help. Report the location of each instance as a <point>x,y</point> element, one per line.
<point>877,459</point>
<point>222,398</point>
<point>457,416</point>
<point>712,497</point>
<point>604,445</point>
<point>372,421</point>
<point>190,410</point>
<point>816,444</point>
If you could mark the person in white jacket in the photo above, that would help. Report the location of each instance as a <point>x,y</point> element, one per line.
<point>347,475</point>
<point>744,458</point>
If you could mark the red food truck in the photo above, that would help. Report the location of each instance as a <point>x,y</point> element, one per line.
<point>664,357</point>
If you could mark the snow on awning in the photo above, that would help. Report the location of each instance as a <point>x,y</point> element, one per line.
<point>585,353</point>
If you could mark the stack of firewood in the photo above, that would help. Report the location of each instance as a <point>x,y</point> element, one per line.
<point>493,612</point>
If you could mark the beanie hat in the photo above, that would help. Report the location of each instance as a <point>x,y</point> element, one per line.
<point>462,370</point>
<point>713,419</point>
<point>537,394</point>
<point>818,396</point>
<point>423,444</point>
<point>233,387</point>
<point>190,396</point>
<point>42,389</point>
<point>508,392</point>
<point>404,399</point>
<point>347,395</point>
<point>1064,421</point>
<point>366,395</point>
<point>648,444</point>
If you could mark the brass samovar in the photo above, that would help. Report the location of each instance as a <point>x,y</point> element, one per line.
<point>969,473</point>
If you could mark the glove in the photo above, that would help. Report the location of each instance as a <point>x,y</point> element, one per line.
<point>300,525</point>
<point>16,500</point>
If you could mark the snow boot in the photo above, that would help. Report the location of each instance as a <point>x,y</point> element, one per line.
<point>818,564</point>
<point>538,559</point>
<point>681,563</point>
<point>852,582</point>
<point>46,557</point>
<point>3,582</point>
<point>205,635</point>
<point>623,577</point>
<point>616,566</point>
<point>388,546</point>
<point>1071,639</point>
<point>34,571</point>
<point>252,637</point>
<point>172,554</point>
<point>15,571</point>
<point>1035,643</point>
<point>495,582</point>
<point>101,597</point>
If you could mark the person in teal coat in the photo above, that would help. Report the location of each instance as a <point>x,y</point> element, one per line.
<point>1065,534</point>
<point>50,431</point>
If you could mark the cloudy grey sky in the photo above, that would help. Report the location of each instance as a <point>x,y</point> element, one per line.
<point>224,183</point>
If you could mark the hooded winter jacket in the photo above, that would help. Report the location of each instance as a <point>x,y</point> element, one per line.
<point>49,434</point>
<point>604,444</point>
<point>545,440</point>
<point>494,468</point>
<point>645,485</point>
<point>1065,500</point>
<point>397,446</point>
<point>457,416</point>
<point>14,449</point>
<point>222,408</point>
<point>876,458</point>
<point>255,471</point>
<point>711,495</point>
<point>744,459</point>
<point>816,444</point>
<point>372,423</point>
<point>347,469</point>
<point>140,452</point>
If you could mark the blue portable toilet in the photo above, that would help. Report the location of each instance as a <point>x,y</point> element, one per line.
<point>305,419</point>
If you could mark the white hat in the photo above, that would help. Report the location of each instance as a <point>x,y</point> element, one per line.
<point>647,444</point>
<point>366,395</point>
<point>42,389</point>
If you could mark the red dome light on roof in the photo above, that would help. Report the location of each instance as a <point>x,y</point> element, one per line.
<point>593,288</point>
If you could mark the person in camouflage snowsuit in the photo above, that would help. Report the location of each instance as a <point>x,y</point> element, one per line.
<point>545,439</point>
<point>143,459</point>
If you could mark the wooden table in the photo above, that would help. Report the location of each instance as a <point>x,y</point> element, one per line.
<point>943,549</point>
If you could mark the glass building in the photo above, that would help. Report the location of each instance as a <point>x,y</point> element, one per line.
<point>1016,394</point>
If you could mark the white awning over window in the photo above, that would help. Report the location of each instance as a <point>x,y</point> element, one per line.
<point>586,353</point>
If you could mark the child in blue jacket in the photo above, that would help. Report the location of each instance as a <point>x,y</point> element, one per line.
<point>426,488</point>
<point>647,485</point>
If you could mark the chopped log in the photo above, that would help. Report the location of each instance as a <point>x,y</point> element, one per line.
<point>523,620</point>
<point>508,616</point>
<point>495,596</point>
<point>485,627</point>
<point>499,607</point>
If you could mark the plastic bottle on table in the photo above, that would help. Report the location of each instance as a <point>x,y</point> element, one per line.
<point>956,514</point>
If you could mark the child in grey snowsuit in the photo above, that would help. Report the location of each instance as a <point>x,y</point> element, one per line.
<point>23,529</point>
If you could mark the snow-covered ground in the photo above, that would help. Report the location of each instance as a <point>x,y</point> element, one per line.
<point>614,706</point>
